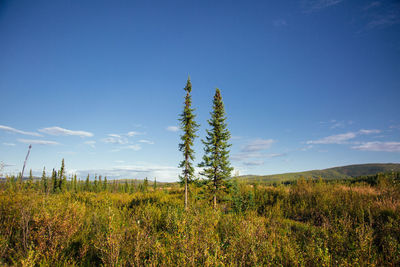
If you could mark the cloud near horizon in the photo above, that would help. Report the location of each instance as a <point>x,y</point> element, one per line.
<point>61,131</point>
<point>162,173</point>
<point>378,146</point>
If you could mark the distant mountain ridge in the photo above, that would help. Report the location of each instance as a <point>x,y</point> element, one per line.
<point>342,172</point>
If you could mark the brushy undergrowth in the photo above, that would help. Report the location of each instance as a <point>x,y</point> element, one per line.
<point>304,224</point>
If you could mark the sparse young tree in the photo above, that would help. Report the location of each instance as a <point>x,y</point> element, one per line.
<point>215,162</point>
<point>189,128</point>
<point>95,183</point>
<point>145,184</point>
<point>54,181</point>
<point>155,184</point>
<point>87,183</point>
<point>20,180</point>
<point>74,184</point>
<point>126,187</point>
<point>105,183</point>
<point>30,179</point>
<point>44,181</point>
<point>61,179</point>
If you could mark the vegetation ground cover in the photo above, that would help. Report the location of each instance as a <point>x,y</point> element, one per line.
<point>308,223</point>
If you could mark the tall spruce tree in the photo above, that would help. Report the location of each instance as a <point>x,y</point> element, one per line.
<point>189,128</point>
<point>215,162</point>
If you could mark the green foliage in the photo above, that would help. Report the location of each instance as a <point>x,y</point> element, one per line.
<point>189,128</point>
<point>354,222</point>
<point>44,182</point>
<point>304,224</point>
<point>216,154</point>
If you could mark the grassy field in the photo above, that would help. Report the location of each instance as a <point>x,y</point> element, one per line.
<point>308,223</point>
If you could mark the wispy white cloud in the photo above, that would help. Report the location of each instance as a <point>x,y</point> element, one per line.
<point>9,144</point>
<point>133,133</point>
<point>381,14</point>
<point>91,143</point>
<point>38,142</point>
<point>61,131</point>
<point>371,5</point>
<point>341,138</point>
<point>333,124</point>
<point>334,139</point>
<point>316,5</point>
<point>258,145</point>
<point>253,163</point>
<point>381,21</point>
<point>115,139</point>
<point>372,131</point>
<point>245,156</point>
<point>379,146</point>
<point>172,128</point>
<point>146,142</point>
<point>133,147</point>
<point>13,130</point>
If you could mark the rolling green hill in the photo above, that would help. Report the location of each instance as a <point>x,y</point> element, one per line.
<point>331,173</point>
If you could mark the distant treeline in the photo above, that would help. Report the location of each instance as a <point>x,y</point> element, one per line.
<point>58,183</point>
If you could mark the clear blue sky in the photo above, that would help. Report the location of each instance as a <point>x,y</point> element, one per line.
<point>306,84</point>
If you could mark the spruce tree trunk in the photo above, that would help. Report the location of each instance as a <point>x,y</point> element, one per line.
<point>215,199</point>
<point>186,194</point>
<point>186,183</point>
<point>215,193</point>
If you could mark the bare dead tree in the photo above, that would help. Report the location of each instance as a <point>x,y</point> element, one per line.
<point>26,158</point>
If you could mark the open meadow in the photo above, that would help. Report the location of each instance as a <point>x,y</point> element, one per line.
<point>307,223</point>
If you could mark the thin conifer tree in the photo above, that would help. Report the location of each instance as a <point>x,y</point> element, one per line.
<point>216,164</point>
<point>189,128</point>
<point>54,181</point>
<point>44,181</point>
<point>87,183</point>
<point>61,179</point>
<point>74,184</point>
<point>105,183</point>
<point>30,179</point>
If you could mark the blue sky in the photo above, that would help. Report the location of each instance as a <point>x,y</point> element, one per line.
<point>306,84</point>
